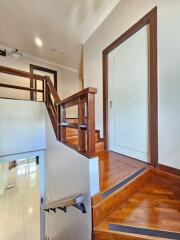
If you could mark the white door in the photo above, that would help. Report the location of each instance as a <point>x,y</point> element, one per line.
<point>128,96</point>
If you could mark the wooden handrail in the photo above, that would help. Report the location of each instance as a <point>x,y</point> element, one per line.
<point>20,73</point>
<point>53,90</point>
<point>79,94</point>
<point>76,201</point>
<point>20,88</point>
<point>85,100</point>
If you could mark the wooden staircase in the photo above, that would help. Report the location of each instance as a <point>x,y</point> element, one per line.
<point>135,201</point>
<point>79,133</point>
<point>72,137</point>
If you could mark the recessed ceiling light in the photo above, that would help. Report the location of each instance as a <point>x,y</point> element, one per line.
<point>38,42</point>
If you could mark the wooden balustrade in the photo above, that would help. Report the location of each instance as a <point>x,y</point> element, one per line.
<point>23,74</point>
<point>84,100</point>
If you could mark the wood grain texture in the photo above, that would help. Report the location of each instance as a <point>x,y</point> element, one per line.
<point>20,73</point>
<point>79,94</point>
<point>107,205</point>
<point>168,169</point>
<point>20,88</point>
<point>99,145</point>
<point>156,206</point>
<point>72,137</point>
<point>52,90</point>
<point>166,178</point>
<point>81,120</point>
<point>114,168</point>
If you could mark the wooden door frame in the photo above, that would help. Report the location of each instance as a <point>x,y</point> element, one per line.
<point>151,19</point>
<point>43,69</point>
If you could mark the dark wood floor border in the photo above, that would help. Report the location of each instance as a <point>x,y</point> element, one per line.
<point>144,231</point>
<point>151,19</point>
<point>172,170</point>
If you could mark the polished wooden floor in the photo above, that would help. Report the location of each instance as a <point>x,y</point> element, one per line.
<point>156,206</point>
<point>114,168</point>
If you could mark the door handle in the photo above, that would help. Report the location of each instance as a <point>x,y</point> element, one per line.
<point>110,104</point>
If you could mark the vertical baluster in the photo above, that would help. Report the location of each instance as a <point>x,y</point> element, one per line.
<point>47,95</point>
<point>44,90</point>
<point>35,87</point>
<point>31,84</point>
<point>63,120</point>
<point>81,120</point>
<point>58,134</point>
<point>90,101</point>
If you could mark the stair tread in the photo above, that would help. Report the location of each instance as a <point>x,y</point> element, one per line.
<point>115,167</point>
<point>102,232</point>
<point>155,207</point>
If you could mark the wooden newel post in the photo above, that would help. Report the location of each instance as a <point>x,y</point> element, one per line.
<point>91,124</point>
<point>81,121</point>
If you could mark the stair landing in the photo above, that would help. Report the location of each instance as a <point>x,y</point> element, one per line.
<point>114,168</point>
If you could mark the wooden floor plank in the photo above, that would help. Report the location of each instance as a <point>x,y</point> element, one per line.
<point>105,206</point>
<point>156,206</point>
<point>114,168</point>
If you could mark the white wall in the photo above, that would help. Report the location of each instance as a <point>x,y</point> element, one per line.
<point>68,173</point>
<point>121,18</point>
<point>72,83</point>
<point>22,126</point>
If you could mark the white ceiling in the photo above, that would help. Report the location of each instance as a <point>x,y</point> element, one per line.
<point>61,24</point>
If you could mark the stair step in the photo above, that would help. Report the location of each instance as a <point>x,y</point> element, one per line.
<point>152,213</point>
<point>103,232</point>
<point>72,137</point>
<point>103,206</point>
<point>99,146</point>
<point>114,168</point>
